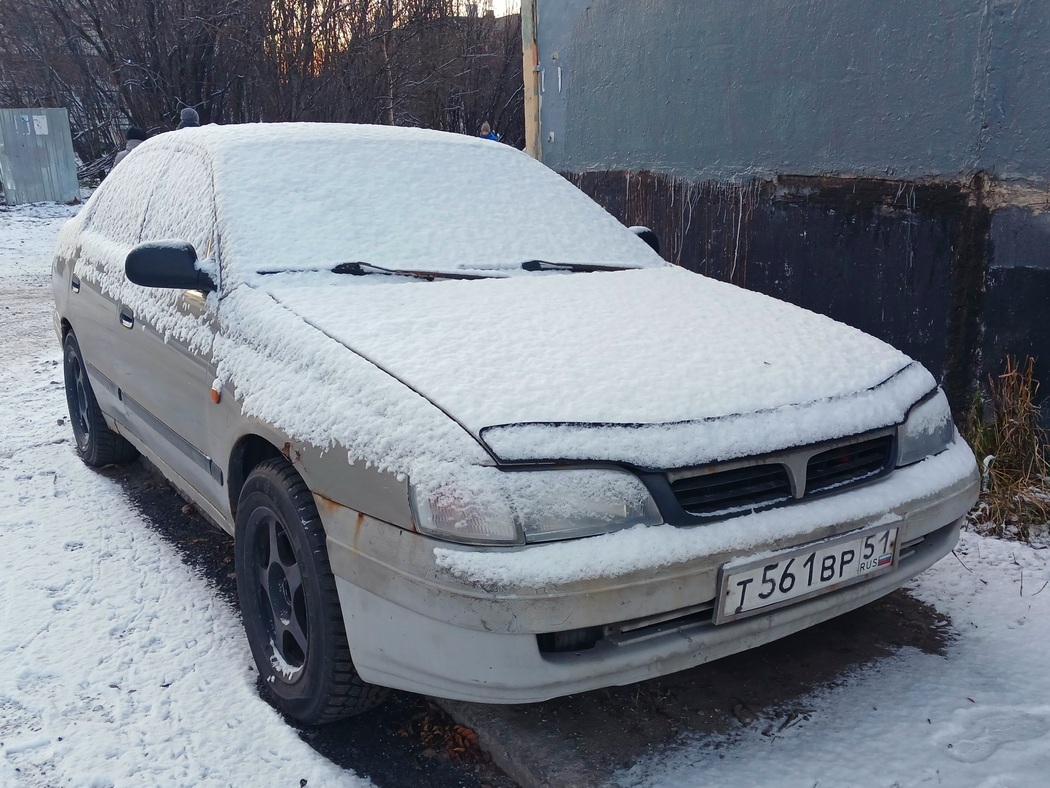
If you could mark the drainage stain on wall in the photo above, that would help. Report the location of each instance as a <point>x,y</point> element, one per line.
<point>905,261</point>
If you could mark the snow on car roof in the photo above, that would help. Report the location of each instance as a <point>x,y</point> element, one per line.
<point>293,196</point>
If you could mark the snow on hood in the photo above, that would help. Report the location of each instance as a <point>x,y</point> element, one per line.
<point>660,368</point>
<point>288,374</point>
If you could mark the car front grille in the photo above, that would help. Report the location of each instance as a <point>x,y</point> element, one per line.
<point>762,483</point>
<point>735,490</point>
<point>847,465</point>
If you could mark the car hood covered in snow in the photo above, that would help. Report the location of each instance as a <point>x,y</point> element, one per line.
<point>656,367</point>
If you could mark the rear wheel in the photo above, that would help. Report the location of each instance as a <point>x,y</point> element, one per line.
<point>96,443</point>
<point>289,602</point>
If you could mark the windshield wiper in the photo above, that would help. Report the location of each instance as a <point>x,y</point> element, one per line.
<point>361,269</point>
<point>364,269</point>
<point>576,268</point>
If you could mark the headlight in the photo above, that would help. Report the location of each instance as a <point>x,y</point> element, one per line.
<point>468,506</point>
<point>569,503</point>
<point>503,507</point>
<point>928,430</point>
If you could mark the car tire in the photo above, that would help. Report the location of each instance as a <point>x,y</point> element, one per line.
<point>95,442</point>
<point>289,602</point>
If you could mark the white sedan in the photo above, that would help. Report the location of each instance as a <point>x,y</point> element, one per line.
<point>473,437</point>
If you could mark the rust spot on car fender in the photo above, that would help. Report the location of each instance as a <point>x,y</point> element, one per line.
<point>287,451</point>
<point>327,503</point>
<point>357,528</point>
<point>334,508</point>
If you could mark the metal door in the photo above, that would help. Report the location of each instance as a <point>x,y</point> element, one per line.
<point>167,373</point>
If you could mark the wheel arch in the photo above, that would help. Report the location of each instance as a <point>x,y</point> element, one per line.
<point>249,452</point>
<point>288,597</point>
<point>328,473</point>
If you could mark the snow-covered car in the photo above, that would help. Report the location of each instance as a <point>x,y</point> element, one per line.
<point>472,436</point>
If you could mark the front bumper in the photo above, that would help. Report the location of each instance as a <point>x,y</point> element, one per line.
<point>414,625</point>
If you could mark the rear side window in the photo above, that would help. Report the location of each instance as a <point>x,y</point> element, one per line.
<point>119,205</point>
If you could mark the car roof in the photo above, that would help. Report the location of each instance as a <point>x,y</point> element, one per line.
<point>298,196</point>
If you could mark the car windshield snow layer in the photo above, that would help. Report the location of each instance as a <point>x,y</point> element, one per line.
<point>449,205</point>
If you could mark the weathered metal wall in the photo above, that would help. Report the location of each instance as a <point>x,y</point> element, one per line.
<point>880,161</point>
<point>1016,315</point>
<point>36,156</point>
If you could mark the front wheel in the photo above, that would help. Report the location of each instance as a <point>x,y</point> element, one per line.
<point>96,443</point>
<point>289,602</point>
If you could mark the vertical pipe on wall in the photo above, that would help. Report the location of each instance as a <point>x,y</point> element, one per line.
<point>531,73</point>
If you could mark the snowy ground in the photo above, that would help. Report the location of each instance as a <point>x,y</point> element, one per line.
<point>119,666</point>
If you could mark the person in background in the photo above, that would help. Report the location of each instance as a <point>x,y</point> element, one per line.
<point>188,118</point>
<point>487,133</point>
<point>135,137</point>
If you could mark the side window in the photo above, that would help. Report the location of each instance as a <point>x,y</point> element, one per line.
<point>120,204</point>
<point>183,207</point>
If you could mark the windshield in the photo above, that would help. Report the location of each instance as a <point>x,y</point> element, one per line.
<point>402,199</point>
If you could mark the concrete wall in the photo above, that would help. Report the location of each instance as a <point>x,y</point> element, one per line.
<point>884,162</point>
<point>707,89</point>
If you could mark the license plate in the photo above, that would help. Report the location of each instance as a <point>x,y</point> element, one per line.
<point>785,578</point>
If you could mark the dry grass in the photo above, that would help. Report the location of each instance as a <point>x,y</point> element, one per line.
<point>1012,451</point>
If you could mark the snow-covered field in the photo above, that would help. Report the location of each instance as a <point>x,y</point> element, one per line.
<point>119,666</point>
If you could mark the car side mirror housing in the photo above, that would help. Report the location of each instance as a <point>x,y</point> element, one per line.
<point>648,236</point>
<point>171,264</point>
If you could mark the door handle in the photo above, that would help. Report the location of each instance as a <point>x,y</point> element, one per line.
<point>74,283</point>
<point>127,319</point>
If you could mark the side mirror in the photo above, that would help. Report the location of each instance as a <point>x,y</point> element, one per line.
<point>169,264</point>
<point>648,236</point>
